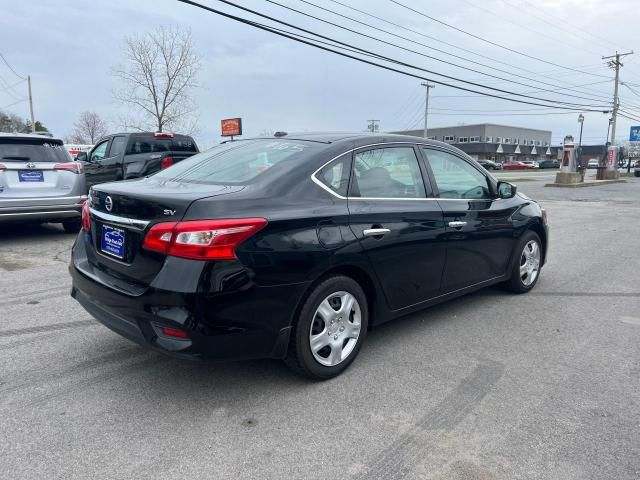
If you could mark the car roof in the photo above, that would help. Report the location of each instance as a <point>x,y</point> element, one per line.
<point>30,135</point>
<point>357,138</point>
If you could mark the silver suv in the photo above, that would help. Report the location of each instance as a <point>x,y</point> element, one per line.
<point>39,181</point>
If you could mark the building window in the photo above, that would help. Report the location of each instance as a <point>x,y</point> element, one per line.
<point>507,140</point>
<point>546,144</point>
<point>531,142</point>
<point>463,140</point>
<point>449,138</point>
<point>488,139</point>
<point>516,141</point>
<point>499,139</point>
<point>435,137</point>
<point>474,139</point>
<point>524,141</point>
<point>538,143</point>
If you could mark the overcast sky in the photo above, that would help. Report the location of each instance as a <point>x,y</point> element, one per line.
<point>70,46</point>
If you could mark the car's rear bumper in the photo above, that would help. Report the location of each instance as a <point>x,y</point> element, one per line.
<point>41,213</point>
<point>254,322</point>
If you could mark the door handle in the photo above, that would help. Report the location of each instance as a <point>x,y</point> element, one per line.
<point>375,232</point>
<point>457,224</point>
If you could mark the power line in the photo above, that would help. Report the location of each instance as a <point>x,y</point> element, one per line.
<point>14,103</point>
<point>472,52</point>
<point>491,42</point>
<point>11,68</point>
<point>296,37</point>
<point>583,97</point>
<point>526,27</point>
<point>7,86</point>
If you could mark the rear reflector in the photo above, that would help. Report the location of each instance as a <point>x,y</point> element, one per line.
<point>166,162</point>
<point>174,332</point>
<point>75,167</point>
<point>86,217</point>
<point>202,239</point>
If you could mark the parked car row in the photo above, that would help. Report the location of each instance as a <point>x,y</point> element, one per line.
<point>519,165</point>
<point>41,182</point>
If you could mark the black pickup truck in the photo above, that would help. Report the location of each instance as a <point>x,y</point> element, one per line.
<point>122,156</point>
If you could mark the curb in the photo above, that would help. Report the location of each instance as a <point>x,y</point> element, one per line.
<point>593,183</point>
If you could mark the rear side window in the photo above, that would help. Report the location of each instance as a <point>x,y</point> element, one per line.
<point>336,175</point>
<point>26,150</point>
<point>387,173</point>
<point>239,162</point>
<point>159,145</point>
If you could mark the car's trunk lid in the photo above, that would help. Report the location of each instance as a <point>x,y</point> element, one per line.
<point>123,212</point>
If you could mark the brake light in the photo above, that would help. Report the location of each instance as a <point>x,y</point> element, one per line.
<point>2,167</point>
<point>174,332</point>
<point>86,217</point>
<point>202,239</point>
<point>163,135</point>
<point>75,167</point>
<point>166,162</point>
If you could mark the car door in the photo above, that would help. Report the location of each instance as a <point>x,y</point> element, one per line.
<point>104,163</point>
<point>397,222</point>
<point>479,227</point>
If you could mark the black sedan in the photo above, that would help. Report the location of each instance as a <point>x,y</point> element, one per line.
<point>489,165</point>
<point>294,247</point>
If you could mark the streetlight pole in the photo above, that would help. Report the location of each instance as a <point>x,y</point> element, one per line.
<point>579,156</point>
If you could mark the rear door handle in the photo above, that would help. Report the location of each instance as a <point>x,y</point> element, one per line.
<point>457,224</point>
<point>375,232</point>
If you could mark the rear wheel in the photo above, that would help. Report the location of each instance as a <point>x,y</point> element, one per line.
<point>72,226</point>
<point>330,329</point>
<point>526,268</point>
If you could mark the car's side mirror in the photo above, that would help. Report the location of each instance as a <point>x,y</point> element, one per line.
<point>82,157</point>
<point>506,190</point>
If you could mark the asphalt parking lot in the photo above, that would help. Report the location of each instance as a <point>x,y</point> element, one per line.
<point>490,386</point>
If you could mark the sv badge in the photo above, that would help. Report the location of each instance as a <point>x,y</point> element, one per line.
<point>169,212</point>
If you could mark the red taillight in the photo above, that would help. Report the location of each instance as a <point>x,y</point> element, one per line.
<point>163,135</point>
<point>86,217</point>
<point>2,167</point>
<point>75,167</point>
<point>166,162</point>
<point>202,239</point>
<point>174,332</point>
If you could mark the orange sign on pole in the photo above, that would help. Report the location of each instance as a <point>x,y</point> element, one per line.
<point>231,127</point>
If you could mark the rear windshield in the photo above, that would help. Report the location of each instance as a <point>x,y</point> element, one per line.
<point>151,145</point>
<point>25,150</point>
<point>238,162</point>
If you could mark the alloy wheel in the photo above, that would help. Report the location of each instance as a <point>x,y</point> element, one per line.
<point>530,263</point>
<point>335,328</point>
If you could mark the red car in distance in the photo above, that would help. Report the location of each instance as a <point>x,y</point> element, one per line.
<point>516,166</point>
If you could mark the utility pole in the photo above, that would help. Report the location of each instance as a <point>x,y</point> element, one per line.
<point>616,64</point>
<point>373,126</point>
<point>428,86</point>
<point>33,122</point>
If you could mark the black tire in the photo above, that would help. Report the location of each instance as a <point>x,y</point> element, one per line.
<point>515,283</point>
<point>72,226</point>
<point>299,356</point>
<point>636,174</point>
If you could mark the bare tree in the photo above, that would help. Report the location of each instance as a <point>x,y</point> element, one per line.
<point>158,77</point>
<point>89,128</point>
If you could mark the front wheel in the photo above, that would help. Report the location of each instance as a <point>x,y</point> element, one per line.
<point>330,329</point>
<point>526,268</point>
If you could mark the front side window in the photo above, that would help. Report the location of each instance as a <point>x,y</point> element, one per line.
<point>100,151</point>
<point>456,178</point>
<point>117,146</point>
<point>387,173</point>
